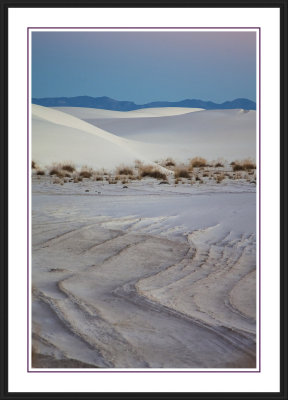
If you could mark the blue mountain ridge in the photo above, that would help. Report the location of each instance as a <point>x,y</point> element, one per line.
<point>106,103</point>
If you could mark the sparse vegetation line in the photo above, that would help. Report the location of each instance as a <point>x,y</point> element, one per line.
<point>196,170</point>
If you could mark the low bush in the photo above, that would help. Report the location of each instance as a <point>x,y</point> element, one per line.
<point>198,162</point>
<point>244,165</point>
<point>238,167</point>
<point>169,162</point>
<point>85,173</point>
<point>248,164</point>
<point>219,178</point>
<point>68,167</point>
<point>182,173</point>
<point>151,171</point>
<point>124,170</point>
<point>56,171</point>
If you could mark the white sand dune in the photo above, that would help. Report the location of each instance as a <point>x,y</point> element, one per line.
<point>211,133</point>
<point>101,138</point>
<point>91,113</point>
<point>57,137</point>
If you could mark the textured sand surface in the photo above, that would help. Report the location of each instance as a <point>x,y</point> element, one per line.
<point>145,277</point>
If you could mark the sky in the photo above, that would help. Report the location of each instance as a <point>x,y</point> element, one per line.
<point>145,66</point>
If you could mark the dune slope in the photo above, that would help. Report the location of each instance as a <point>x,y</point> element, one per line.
<point>219,133</point>
<point>90,113</point>
<point>57,137</point>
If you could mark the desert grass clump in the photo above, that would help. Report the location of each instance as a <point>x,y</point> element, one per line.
<point>182,173</point>
<point>169,162</point>
<point>40,172</point>
<point>244,165</point>
<point>219,165</point>
<point>56,170</point>
<point>33,165</point>
<point>77,178</point>
<point>152,172</point>
<point>86,173</point>
<point>125,170</point>
<point>69,167</point>
<point>237,167</point>
<point>248,164</point>
<point>198,162</point>
<point>219,178</point>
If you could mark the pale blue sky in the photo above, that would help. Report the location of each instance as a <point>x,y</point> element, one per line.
<point>145,66</point>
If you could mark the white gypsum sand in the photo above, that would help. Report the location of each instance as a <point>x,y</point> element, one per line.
<point>153,276</point>
<point>94,113</point>
<point>141,275</point>
<point>57,136</point>
<point>105,142</point>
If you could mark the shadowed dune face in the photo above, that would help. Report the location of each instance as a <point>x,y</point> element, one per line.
<point>134,282</point>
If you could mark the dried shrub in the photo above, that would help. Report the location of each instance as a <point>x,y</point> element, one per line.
<point>33,165</point>
<point>125,170</point>
<point>219,178</point>
<point>243,165</point>
<point>218,165</point>
<point>182,173</point>
<point>169,162</point>
<point>69,167</point>
<point>198,162</point>
<point>151,171</point>
<point>248,164</point>
<point>40,172</point>
<point>238,167</point>
<point>85,173</point>
<point>56,170</point>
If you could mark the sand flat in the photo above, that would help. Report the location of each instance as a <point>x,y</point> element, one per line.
<point>147,277</point>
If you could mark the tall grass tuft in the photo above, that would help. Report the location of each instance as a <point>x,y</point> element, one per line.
<point>182,172</point>
<point>151,171</point>
<point>198,162</point>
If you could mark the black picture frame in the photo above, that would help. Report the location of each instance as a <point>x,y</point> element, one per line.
<point>5,6</point>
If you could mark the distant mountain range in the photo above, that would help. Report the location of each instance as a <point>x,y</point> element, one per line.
<point>107,103</point>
